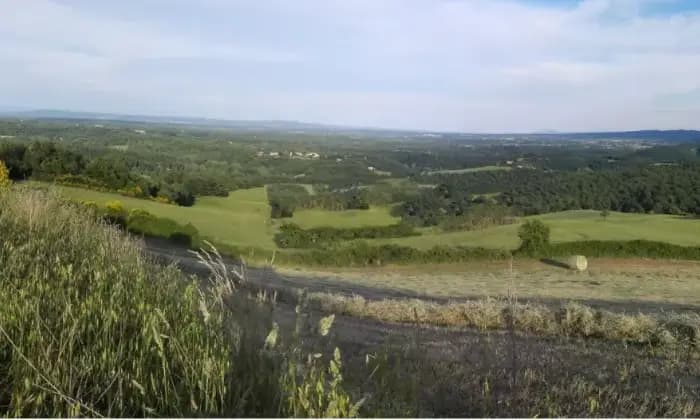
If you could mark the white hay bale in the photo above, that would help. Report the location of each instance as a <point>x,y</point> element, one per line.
<point>578,262</point>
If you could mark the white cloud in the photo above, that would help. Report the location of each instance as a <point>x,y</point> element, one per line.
<point>481,65</point>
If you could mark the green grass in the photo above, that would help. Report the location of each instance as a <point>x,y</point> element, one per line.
<point>241,219</point>
<point>476,169</point>
<point>568,226</point>
<point>375,216</point>
<point>89,327</point>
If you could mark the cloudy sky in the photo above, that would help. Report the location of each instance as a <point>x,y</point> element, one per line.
<point>463,65</point>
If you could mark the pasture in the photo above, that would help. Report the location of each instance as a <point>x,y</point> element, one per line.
<point>241,219</point>
<point>467,170</point>
<point>575,225</point>
<point>375,216</point>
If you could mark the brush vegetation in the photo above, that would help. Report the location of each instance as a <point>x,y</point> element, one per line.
<point>90,327</point>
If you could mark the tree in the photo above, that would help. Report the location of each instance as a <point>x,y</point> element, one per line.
<point>4,176</point>
<point>534,237</point>
<point>604,214</point>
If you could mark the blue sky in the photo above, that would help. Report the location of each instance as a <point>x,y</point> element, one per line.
<point>462,65</point>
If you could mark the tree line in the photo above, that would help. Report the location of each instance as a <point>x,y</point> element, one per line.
<point>46,161</point>
<point>669,189</point>
<point>293,236</point>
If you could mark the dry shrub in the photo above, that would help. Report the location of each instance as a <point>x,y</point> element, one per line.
<point>579,320</point>
<point>535,319</point>
<point>639,328</point>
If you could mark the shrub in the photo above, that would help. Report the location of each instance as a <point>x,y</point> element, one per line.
<point>292,236</point>
<point>144,223</point>
<point>534,237</point>
<point>4,176</point>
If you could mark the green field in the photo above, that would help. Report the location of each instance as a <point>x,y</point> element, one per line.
<point>241,219</point>
<point>375,216</point>
<point>576,225</point>
<point>476,169</point>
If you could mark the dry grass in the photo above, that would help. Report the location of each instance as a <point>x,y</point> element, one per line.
<point>614,280</point>
<point>573,319</point>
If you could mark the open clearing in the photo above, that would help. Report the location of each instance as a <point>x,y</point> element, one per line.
<point>576,225</point>
<point>241,219</point>
<point>375,216</point>
<point>467,170</point>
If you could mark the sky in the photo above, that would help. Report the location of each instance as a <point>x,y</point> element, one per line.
<point>440,65</point>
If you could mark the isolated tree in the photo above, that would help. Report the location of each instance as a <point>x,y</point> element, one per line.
<point>4,176</point>
<point>604,214</point>
<point>534,237</point>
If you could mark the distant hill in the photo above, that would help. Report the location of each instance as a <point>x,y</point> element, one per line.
<point>46,114</point>
<point>667,136</point>
<point>671,136</point>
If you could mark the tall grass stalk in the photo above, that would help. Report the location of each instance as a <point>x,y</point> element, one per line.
<point>91,327</point>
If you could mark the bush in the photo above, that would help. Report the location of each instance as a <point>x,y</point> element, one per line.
<point>534,237</point>
<point>5,180</point>
<point>363,254</point>
<point>144,223</point>
<point>292,236</point>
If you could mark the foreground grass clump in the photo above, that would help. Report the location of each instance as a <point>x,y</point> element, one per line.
<point>89,327</point>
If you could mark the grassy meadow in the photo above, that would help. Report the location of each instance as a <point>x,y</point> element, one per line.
<point>241,219</point>
<point>475,169</point>
<point>568,226</point>
<point>375,216</point>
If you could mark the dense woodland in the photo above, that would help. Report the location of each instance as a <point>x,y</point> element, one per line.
<point>666,188</point>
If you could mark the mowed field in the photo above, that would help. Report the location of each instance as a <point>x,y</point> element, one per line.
<point>375,216</point>
<point>241,219</point>
<point>653,284</point>
<point>568,226</point>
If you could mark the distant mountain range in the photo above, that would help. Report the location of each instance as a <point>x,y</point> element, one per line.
<point>45,114</point>
<point>670,136</point>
